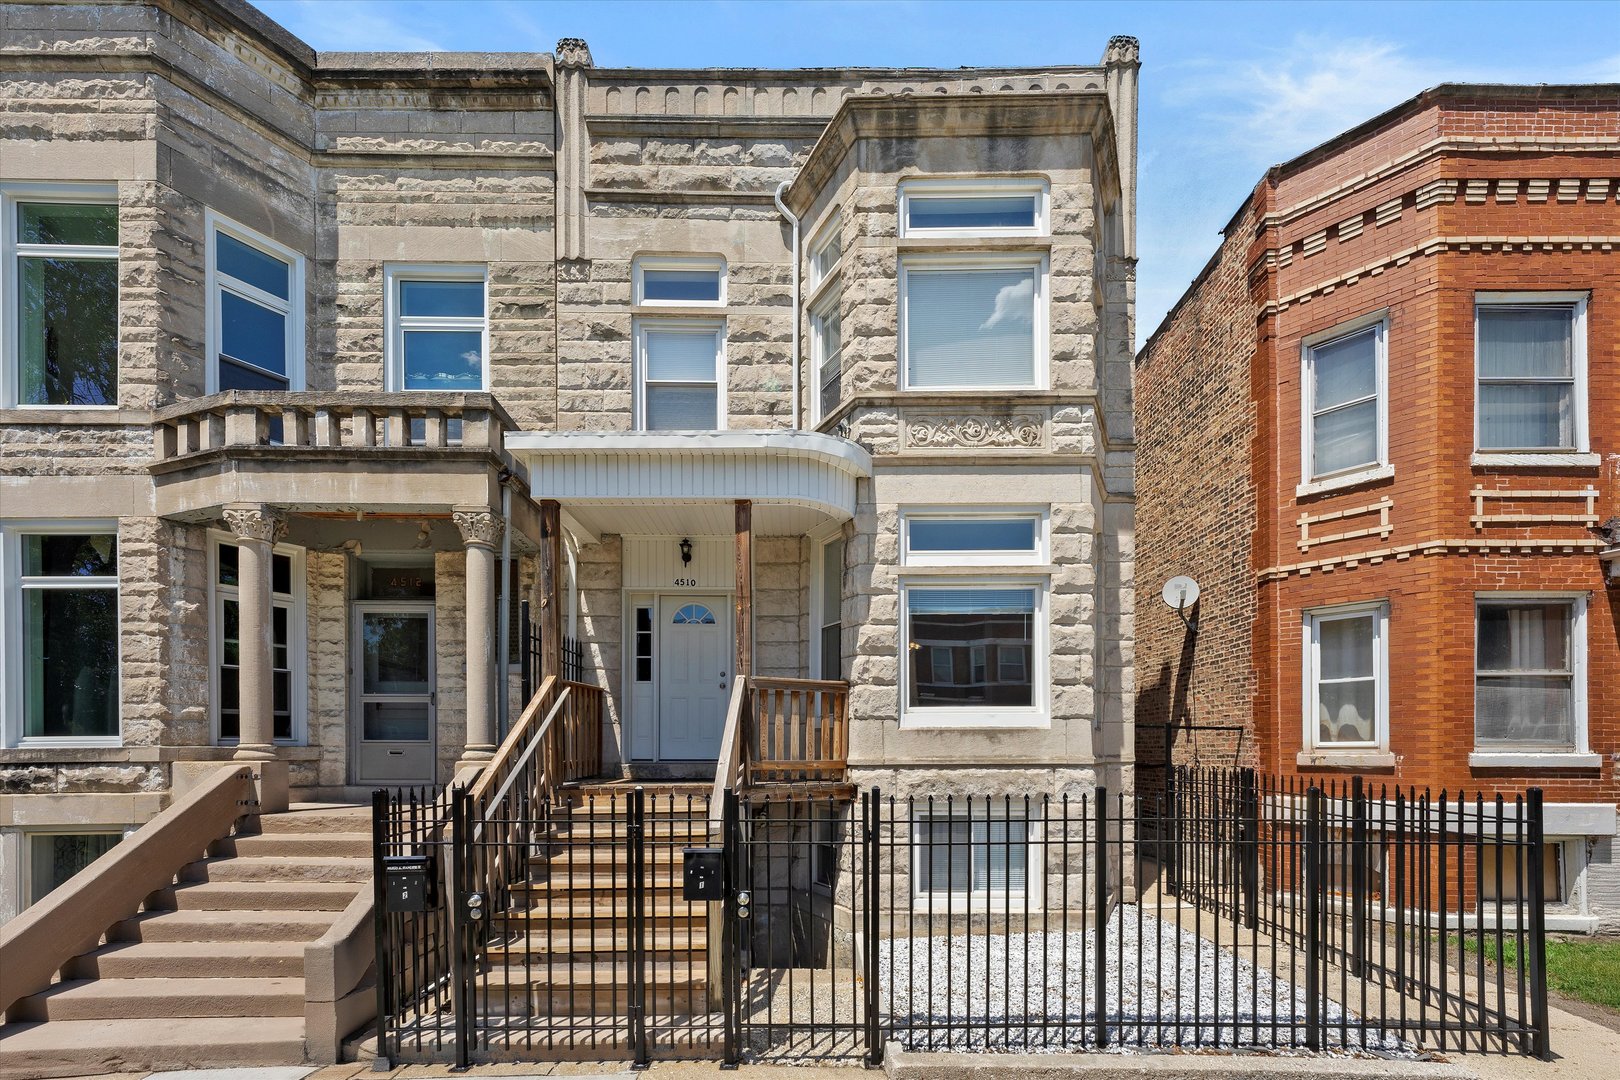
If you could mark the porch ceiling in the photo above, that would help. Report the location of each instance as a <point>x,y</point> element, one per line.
<point>653,484</point>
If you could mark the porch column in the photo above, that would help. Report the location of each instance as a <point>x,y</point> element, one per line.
<point>745,588</point>
<point>550,588</point>
<point>256,529</point>
<point>480,533</point>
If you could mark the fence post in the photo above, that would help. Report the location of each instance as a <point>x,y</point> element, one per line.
<point>635,837</point>
<point>1313,917</point>
<point>871,808</point>
<point>525,663</point>
<point>1537,901</point>
<point>460,932</point>
<point>1249,846</point>
<point>379,920</point>
<point>1100,919</point>
<point>1359,885</point>
<point>1175,831</point>
<point>731,934</point>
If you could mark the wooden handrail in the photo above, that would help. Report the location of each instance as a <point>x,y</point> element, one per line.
<point>515,740</point>
<point>545,781</point>
<point>798,730</point>
<point>729,769</point>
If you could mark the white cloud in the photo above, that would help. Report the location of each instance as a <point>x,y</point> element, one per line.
<point>1013,304</point>
<point>349,26</point>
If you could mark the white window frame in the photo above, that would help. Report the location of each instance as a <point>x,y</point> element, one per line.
<point>1311,481</point>
<point>1580,454</point>
<point>11,627</point>
<point>293,603</point>
<point>829,234</point>
<point>643,263</point>
<point>1036,556</point>
<point>830,301</point>
<point>819,619</point>
<point>1040,328</point>
<point>714,327</point>
<point>11,249</point>
<point>397,323</point>
<point>1033,894</point>
<point>1038,714</point>
<point>1579,676</point>
<point>1378,610</point>
<point>292,308</point>
<point>982,187</point>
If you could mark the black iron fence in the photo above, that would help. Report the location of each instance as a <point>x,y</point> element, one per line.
<point>1231,911</point>
<point>417,951</point>
<point>528,637</point>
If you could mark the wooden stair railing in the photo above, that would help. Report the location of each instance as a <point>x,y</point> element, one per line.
<point>798,730</point>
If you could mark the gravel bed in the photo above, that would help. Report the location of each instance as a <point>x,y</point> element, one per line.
<point>1001,1015</point>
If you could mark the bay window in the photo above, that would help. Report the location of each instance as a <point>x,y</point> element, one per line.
<point>1345,415</point>
<point>61,607</point>
<point>965,649</point>
<point>973,322</point>
<point>990,206</point>
<point>255,311</point>
<point>1529,677</point>
<point>1346,691</point>
<point>1530,353</point>
<point>59,314</point>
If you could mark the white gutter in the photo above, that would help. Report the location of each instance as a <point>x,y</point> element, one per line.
<point>794,221</point>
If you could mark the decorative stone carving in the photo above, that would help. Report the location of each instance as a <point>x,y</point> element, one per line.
<point>974,431</point>
<point>255,523</point>
<point>573,52</point>
<point>479,527</point>
<point>1122,49</point>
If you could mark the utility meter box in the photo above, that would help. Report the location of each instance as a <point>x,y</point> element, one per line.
<point>705,874</point>
<point>411,882</point>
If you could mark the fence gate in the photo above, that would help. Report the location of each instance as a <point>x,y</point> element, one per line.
<point>801,956</point>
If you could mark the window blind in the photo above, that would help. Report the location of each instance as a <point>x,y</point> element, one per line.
<point>971,327</point>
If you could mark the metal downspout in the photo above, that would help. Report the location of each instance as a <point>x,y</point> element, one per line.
<point>794,221</point>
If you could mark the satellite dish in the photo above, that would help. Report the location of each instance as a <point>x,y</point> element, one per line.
<point>1181,592</point>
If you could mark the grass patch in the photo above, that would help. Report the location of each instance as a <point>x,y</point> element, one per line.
<point>1587,970</point>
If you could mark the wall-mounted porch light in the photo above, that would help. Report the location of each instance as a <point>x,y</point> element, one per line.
<point>686,551</point>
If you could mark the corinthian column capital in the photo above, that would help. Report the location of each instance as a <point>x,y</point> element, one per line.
<point>254,522</point>
<point>479,528</point>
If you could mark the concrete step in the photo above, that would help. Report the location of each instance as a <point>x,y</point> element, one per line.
<point>191,960</point>
<point>257,896</point>
<point>93,1047</point>
<point>237,926</point>
<point>345,845</point>
<point>134,999</point>
<point>586,989</point>
<point>315,817</point>
<point>278,868</point>
<point>604,829</point>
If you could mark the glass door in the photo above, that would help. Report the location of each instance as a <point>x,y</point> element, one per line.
<point>394,699</point>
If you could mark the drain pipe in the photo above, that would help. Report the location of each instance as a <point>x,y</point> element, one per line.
<point>503,617</point>
<point>793,221</point>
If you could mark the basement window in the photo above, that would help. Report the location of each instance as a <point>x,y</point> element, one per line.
<point>974,857</point>
<point>54,858</point>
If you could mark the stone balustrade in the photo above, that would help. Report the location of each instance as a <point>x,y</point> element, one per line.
<point>330,420</point>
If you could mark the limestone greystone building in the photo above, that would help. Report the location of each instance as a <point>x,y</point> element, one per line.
<point>308,356</point>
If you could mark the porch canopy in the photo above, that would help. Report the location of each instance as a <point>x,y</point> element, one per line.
<point>686,484</point>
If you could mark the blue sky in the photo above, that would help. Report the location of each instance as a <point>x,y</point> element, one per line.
<point>1227,88</point>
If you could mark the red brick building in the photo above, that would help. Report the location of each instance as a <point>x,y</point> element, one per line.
<point>1382,431</point>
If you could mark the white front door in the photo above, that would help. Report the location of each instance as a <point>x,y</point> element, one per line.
<point>694,676</point>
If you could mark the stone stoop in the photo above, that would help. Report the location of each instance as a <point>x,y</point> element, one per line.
<point>210,973</point>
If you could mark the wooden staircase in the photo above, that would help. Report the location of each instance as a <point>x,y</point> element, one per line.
<point>559,954</point>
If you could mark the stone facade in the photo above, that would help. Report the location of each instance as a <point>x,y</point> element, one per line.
<point>555,177</point>
<point>1461,195</point>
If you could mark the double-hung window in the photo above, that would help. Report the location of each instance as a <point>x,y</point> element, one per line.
<point>975,855</point>
<point>1343,379</point>
<point>973,321</point>
<point>1529,674</point>
<point>255,311</point>
<point>61,629</point>
<point>286,643</point>
<point>1346,682</point>
<point>680,360</point>
<point>830,610</point>
<point>59,312</point>
<point>826,318</point>
<point>680,374</point>
<point>1530,355</point>
<point>438,329</point>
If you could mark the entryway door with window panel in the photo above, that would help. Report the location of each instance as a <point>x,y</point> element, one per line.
<point>394,701</point>
<point>694,676</point>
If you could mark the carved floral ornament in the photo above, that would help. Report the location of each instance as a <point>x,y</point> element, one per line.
<point>255,523</point>
<point>1016,431</point>
<point>479,527</point>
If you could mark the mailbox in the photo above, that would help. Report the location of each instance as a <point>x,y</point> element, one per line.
<point>411,882</point>
<point>705,877</point>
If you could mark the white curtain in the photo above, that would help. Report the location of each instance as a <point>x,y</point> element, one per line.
<point>1527,378</point>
